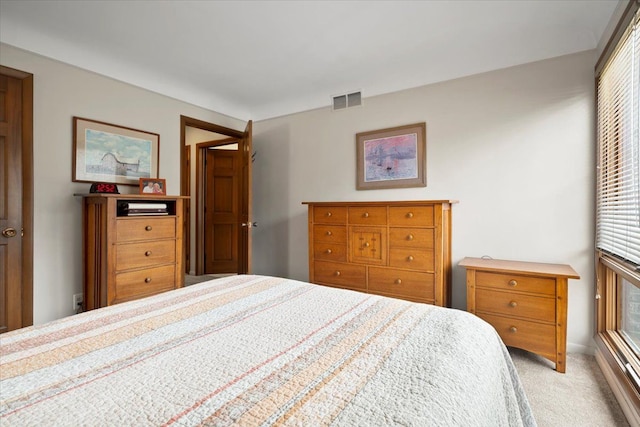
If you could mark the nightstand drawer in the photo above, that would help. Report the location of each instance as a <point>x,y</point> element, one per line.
<point>330,233</point>
<point>515,282</point>
<point>536,337</point>
<point>145,254</point>
<point>353,276</point>
<point>389,281</point>
<point>514,304</point>
<point>330,252</point>
<point>148,228</point>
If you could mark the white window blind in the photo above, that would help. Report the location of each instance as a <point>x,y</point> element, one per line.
<point>618,186</point>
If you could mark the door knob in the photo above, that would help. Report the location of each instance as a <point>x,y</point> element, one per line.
<point>9,232</point>
<point>249,224</point>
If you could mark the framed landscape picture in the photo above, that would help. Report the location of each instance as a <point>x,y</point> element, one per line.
<point>104,152</point>
<point>392,158</point>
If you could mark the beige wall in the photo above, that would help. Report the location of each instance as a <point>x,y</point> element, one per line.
<point>61,92</point>
<point>514,146</point>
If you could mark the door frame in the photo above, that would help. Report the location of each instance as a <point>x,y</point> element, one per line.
<point>27,191</point>
<point>185,190</point>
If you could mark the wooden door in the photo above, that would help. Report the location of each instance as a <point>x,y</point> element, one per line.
<point>246,219</point>
<point>16,272</point>
<point>223,172</point>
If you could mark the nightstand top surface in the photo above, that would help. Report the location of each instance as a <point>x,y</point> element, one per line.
<point>499,265</point>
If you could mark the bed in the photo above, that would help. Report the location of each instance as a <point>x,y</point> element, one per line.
<point>258,351</point>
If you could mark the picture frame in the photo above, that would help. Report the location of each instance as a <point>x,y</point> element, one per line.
<point>153,186</point>
<point>392,158</point>
<point>104,152</point>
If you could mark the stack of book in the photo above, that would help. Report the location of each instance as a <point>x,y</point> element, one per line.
<point>140,209</point>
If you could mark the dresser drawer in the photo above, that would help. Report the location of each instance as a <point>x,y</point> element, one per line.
<point>514,304</point>
<point>368,215</point>
<point>402,283</point>
<point>330,233</point>
<point>536,337</point>
<point>136,284</point>
<point>145,254</point>
<point>128,230</point>
<point>411,216</point>
<point>348,275</point>
<point>411,258</point>
<point>330,214</point>
<point>515,282</point>
<point>422,238</point>
<point>330,252</point>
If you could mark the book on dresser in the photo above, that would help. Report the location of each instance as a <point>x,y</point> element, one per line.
<point>396,249</point>
<point>132,247</point>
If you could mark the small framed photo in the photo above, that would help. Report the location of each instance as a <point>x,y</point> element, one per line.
<point>153,186</point>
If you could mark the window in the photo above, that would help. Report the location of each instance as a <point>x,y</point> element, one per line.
<point>618,210</point>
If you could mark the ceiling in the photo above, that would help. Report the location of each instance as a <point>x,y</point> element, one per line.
<point>261,59</point>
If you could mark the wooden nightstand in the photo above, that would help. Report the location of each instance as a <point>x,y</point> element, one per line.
<point>526,302</point>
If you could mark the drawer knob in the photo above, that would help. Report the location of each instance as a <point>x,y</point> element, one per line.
<point>148,253</point>
<point>147,280</point>
<point>337,273</point>
<point>398,282</point>
<point>410,237</point>
<point>148,228</point>
<point>410,258</point>
<point>329,233</point>
<point>513,304</point>
<point>512,282</point>
<point>366,244</point>
<point>328,213</point>
<point>328,251</point>
<point>366,215</point>
<point>410,215</point>
<point>513,329</point>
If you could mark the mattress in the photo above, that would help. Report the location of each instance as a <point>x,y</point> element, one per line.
<point>258,351</point>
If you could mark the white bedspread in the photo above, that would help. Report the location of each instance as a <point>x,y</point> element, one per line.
<point>255,350</point>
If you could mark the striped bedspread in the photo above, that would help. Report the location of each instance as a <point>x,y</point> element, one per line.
<point>259,351</point>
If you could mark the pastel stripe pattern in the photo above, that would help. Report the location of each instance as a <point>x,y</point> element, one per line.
<point>260,351</point>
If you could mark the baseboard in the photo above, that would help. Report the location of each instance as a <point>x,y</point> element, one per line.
<point>582,349</point>
<point>628,408</point>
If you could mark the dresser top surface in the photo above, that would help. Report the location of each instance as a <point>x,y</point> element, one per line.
<point>130,196</point>
<point>498,265</point>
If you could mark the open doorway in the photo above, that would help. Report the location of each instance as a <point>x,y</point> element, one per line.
<point>217,213</point>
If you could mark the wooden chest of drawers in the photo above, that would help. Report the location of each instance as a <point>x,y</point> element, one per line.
<point>526,303</point>
<point>397,249</point>
<point>130,257</point>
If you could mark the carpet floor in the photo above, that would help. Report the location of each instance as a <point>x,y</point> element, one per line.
<point>580,397</point>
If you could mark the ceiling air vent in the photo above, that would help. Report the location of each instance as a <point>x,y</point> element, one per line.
<point>353,99</point>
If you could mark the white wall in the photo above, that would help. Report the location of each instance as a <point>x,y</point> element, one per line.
<point>514,146</point>
<point>61,92</point>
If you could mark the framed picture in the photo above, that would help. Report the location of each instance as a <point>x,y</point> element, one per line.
<point>392,158</point>
<point>103,152</point>
<point>151,186</point>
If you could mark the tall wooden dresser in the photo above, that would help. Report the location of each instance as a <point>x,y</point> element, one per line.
<point>526,303</point>
<point>396,249</point>
<point>126,257</point>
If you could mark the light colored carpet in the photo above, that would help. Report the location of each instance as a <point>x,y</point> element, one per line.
<point>580,397</point>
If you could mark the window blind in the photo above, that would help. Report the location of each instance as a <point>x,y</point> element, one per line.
<point>618,176</point>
